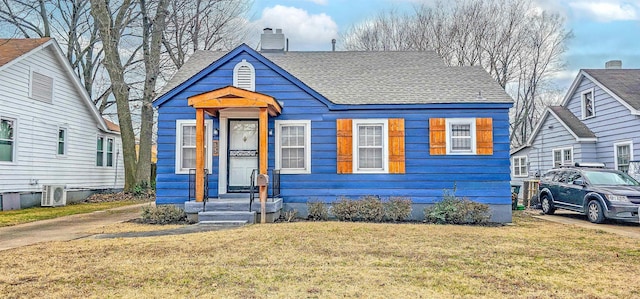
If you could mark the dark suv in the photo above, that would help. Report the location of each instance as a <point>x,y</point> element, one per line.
<point>597,192</point>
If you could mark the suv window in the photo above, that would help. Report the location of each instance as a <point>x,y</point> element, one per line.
<point>573,175</point>
<point>549,175</point>
<point>563,177</point>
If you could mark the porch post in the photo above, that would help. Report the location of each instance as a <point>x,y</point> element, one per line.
<point>263,123</point>
<point>200,154</point>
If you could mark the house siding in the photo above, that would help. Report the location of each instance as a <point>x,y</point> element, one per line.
<point>36,157</point>
<point>613,123</point>
<point>482,178</point>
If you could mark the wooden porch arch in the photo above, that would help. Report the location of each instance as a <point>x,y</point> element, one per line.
<point>231,97</point>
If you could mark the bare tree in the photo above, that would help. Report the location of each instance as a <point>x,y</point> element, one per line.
<point>71,24</point>
<point>543,47</point>
<point>203,25</point>
<point>388,31</point>
<point>519,46</point>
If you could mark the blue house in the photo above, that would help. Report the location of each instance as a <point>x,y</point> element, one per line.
<point>324,125</point>
<point>597,121</point>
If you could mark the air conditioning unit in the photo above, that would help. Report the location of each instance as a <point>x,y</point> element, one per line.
<point>53,196</point>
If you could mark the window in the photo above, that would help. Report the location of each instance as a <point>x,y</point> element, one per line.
<point>623,152</point>
<point>460,135</point>
<point>7,139</point>
<point>110,152</point>
<point>244,76</point>
<point>41,87</point>
<point>562,156</point>
<point>370,145</point>
<point>186,145</point>
<point>588,106</point>
<point>62,141</point>
<point>100,151</point>
<point>293,146</point>
<point>520,166</point>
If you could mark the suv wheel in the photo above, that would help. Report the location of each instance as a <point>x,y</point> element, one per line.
<point>594,211</point>
<point>547,205</point>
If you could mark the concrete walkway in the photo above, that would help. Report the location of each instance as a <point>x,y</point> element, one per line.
<point>64,228</point>
<point>76,227</point>
<point>631,230</point>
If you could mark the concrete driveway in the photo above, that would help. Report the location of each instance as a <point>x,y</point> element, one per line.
<point>631,230</point>
<point>64,228</point>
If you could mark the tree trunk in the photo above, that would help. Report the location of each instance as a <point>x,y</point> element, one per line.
<point>152,42</point>
<point>110,33</point>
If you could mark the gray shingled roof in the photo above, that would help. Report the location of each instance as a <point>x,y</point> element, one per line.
<point>574,124</point>
<point>625,83</point>
<point>373,77</point>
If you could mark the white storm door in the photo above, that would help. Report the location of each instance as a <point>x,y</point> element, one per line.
<point>243,154</point>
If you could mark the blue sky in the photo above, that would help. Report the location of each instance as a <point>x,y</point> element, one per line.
<point>603,29</point>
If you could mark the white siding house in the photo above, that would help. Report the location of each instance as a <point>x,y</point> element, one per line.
<point>598,121</point>
<point>50,131</point>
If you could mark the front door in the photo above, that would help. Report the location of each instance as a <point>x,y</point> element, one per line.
<point>243,154</point>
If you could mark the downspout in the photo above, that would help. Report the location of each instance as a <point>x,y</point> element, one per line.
<point>115,178</point>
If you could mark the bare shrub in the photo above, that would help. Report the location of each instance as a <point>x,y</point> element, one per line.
<point>318,211</point>
<point>397,208</point>
<point>345,209</point>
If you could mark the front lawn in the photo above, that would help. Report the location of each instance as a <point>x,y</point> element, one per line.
<point>14,217</point>
<point>530,259</point>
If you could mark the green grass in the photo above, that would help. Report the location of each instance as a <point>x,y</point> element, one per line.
<point>8,218</point>
<point>529,259</point>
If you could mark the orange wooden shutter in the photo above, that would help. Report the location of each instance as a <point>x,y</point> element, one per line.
<point>344,144</point>
<point>484,136</point>
<point>396,145</point>
<point>437,136</point>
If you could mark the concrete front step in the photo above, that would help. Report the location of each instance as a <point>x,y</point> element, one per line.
<point>224,223</point>
<point>218,204</point>
<point>249,217</point>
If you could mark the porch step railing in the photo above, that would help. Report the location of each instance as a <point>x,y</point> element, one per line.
<point>252,188</point>
<point>192,184</point>
<point>274,184</point>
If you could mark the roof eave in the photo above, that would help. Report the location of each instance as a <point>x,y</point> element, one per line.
<point>580,139</point>
<point>25,55</point>
<point>574,86</point>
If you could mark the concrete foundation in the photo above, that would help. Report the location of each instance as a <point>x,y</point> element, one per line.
<point>33,199</point>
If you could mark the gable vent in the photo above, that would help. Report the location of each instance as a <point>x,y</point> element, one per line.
<point>244,76</point>
<point>41,87</point>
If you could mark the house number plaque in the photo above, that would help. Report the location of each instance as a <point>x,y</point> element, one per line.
<point>216,152</point>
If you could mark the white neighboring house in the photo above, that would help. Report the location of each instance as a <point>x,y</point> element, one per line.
<point>51,134</point>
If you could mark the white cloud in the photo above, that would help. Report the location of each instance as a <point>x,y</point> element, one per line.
<point>606,11</point>
<point>305,31</point>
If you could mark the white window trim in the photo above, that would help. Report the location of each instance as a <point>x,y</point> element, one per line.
<point>46,73</point>
<point>593,103</point>
<point>307,146</point>
<point>513,166</point>
<point>208,136</point>
<point>104,150</point>
<point>385,144</point>
<point>14,149</point>
<point>253,74</point>
<point>561,149</point>
<point>615,151</point>
<point>463,121</point>
<point>66,142</point>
